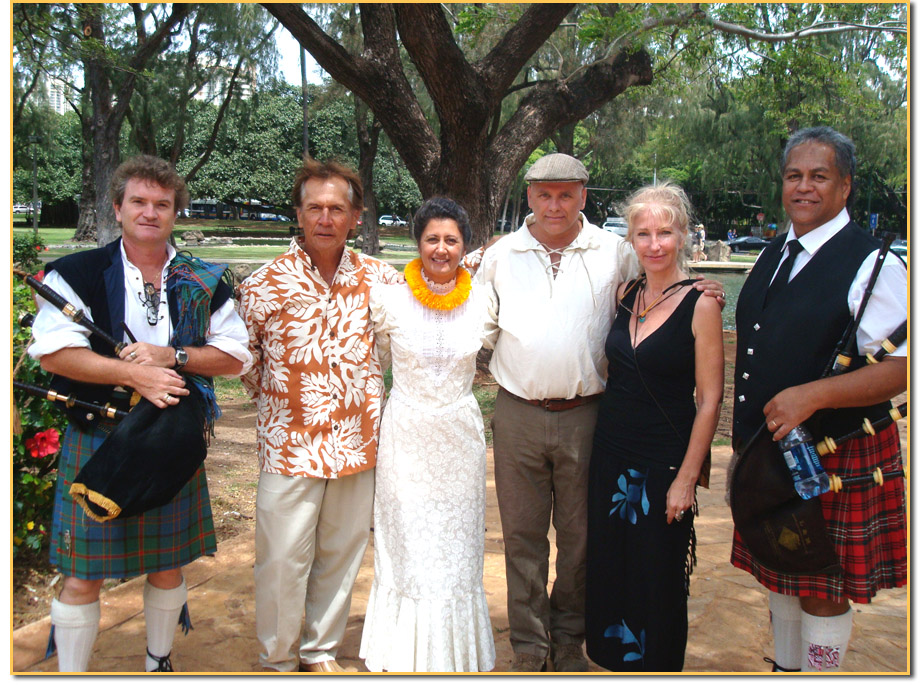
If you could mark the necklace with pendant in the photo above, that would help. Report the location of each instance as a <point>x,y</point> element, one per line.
<point>641,316</point>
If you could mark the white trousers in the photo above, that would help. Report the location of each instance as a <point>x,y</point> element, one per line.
<point>311,534</point>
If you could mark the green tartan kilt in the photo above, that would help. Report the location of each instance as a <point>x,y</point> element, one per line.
<point>158,540</point>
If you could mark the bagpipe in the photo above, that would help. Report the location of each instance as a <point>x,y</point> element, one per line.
<point>150,453</point>
<point>782,531</point>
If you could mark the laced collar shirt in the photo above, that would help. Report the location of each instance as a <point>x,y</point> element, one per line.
<point>315,377</point>
<point>553,328</point>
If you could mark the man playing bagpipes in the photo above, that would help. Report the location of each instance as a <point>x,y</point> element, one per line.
<point>176,315</point>
<point>790,317</point>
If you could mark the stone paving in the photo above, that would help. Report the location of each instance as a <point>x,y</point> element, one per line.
<point>729,624</point>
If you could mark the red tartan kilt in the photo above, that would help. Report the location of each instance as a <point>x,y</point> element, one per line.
<point>866,524</point>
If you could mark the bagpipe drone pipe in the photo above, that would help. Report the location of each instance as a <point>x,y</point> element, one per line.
<point>150,453</point>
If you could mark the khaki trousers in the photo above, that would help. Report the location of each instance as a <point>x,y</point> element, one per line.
<point>541,474</point>
<point>311,534</point>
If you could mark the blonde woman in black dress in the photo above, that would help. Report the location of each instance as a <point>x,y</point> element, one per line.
<point>650,446</point>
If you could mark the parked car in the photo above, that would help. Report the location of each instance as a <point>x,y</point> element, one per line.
<point>747,243</point>
<point>615,224</point>
<point>899,247</point>
<point>503,226</point>
<point>391,220</point>
<point>20,208</point>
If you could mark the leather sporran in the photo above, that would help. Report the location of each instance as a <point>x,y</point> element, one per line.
<point>783,532</point>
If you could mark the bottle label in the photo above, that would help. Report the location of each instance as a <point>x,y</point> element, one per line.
<point>812,454</point>
<point>791,462</point>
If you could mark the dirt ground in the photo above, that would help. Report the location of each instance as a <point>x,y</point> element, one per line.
<point>232,480</point>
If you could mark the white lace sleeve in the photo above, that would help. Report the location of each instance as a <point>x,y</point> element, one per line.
<point>382,323</point>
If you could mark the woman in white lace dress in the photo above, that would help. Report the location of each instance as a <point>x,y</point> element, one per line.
<point>427,609</point>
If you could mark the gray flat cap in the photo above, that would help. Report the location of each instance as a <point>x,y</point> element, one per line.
<point>556,168</point>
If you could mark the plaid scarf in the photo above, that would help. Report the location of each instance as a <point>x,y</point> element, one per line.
<point>191,283</point>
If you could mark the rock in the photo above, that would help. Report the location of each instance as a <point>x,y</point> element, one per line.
<point>193,237</point>
<point>718,251</point>
<point>241,272</point>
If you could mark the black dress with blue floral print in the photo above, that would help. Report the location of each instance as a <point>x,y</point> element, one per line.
<point>638,565</point>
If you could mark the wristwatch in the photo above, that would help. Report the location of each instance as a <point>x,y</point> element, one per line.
<point>181,358</point>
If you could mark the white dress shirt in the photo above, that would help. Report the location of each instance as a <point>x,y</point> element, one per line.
<point>552,330</point>
<point>886,307</point>
<point>53,331</point>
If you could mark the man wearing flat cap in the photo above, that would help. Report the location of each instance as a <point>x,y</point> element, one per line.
<point>556,278</point>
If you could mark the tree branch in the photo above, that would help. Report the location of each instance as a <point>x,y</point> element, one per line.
<point>501,66</point>
<point>143,54</point>
<point>820,29</point>
<point>375,76</point>
<point>212,139</point>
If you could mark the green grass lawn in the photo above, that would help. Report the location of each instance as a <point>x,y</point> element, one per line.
<point>249,249</point>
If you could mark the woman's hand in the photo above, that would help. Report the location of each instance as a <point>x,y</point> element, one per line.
<point>680,498</point>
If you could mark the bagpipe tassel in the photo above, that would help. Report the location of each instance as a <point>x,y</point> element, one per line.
<point>51,648</point>
<point>185,619</point>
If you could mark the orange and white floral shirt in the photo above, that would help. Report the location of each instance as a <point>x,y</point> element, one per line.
<point>315,376</point>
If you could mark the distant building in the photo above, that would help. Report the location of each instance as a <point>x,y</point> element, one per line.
<point>217,86</point>
<point>57,92</point>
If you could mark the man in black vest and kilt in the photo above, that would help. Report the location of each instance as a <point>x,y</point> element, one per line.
<point>803,291</point>
<point>182,317</point>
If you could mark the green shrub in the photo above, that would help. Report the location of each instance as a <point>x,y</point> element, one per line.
<point>38,429</point>
<point>26,249</point>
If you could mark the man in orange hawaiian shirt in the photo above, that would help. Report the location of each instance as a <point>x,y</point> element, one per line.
<point>317,383</point>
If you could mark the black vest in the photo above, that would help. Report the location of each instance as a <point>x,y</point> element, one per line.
<point>791,341</point>
<point>98,277</point>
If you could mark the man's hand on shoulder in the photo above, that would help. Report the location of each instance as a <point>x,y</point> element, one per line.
<point>712,289</point>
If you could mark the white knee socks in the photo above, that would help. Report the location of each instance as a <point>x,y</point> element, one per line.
<point>161,612</point>
<point>786,618</point>
<point>75,629</point>
<point>824,641</point>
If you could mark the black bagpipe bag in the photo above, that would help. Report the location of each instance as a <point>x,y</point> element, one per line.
<point>145,461</point>
<point>782,531</point>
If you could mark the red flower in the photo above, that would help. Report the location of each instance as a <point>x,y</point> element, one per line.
<point>44,443</point>
<point>38,247</point>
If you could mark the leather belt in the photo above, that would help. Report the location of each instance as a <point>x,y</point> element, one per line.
<point>556,404</point>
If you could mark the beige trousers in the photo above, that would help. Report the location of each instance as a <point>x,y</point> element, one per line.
<point>541,474</point>
<point>311,534</point>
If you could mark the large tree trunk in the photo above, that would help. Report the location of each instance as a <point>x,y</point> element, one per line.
<point>110,108</point>
<point>105,149</point>
<point>468,156</point>
<point>368,137</point>
<point>86,223</point>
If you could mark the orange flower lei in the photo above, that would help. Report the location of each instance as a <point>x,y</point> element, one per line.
<point>423,294</point>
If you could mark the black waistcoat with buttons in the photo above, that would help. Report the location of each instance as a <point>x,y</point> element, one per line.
<point>791,341</point>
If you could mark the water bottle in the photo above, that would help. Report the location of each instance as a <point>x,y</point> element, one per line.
<point>807,473</point>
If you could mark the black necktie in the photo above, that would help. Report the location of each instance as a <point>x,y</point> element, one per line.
<point>782,275</point>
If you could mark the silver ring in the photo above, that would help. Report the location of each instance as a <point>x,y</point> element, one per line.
<point>132,356</point>
<point>723,295</point>
<point>167,397</point>
<point>679,516</point>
